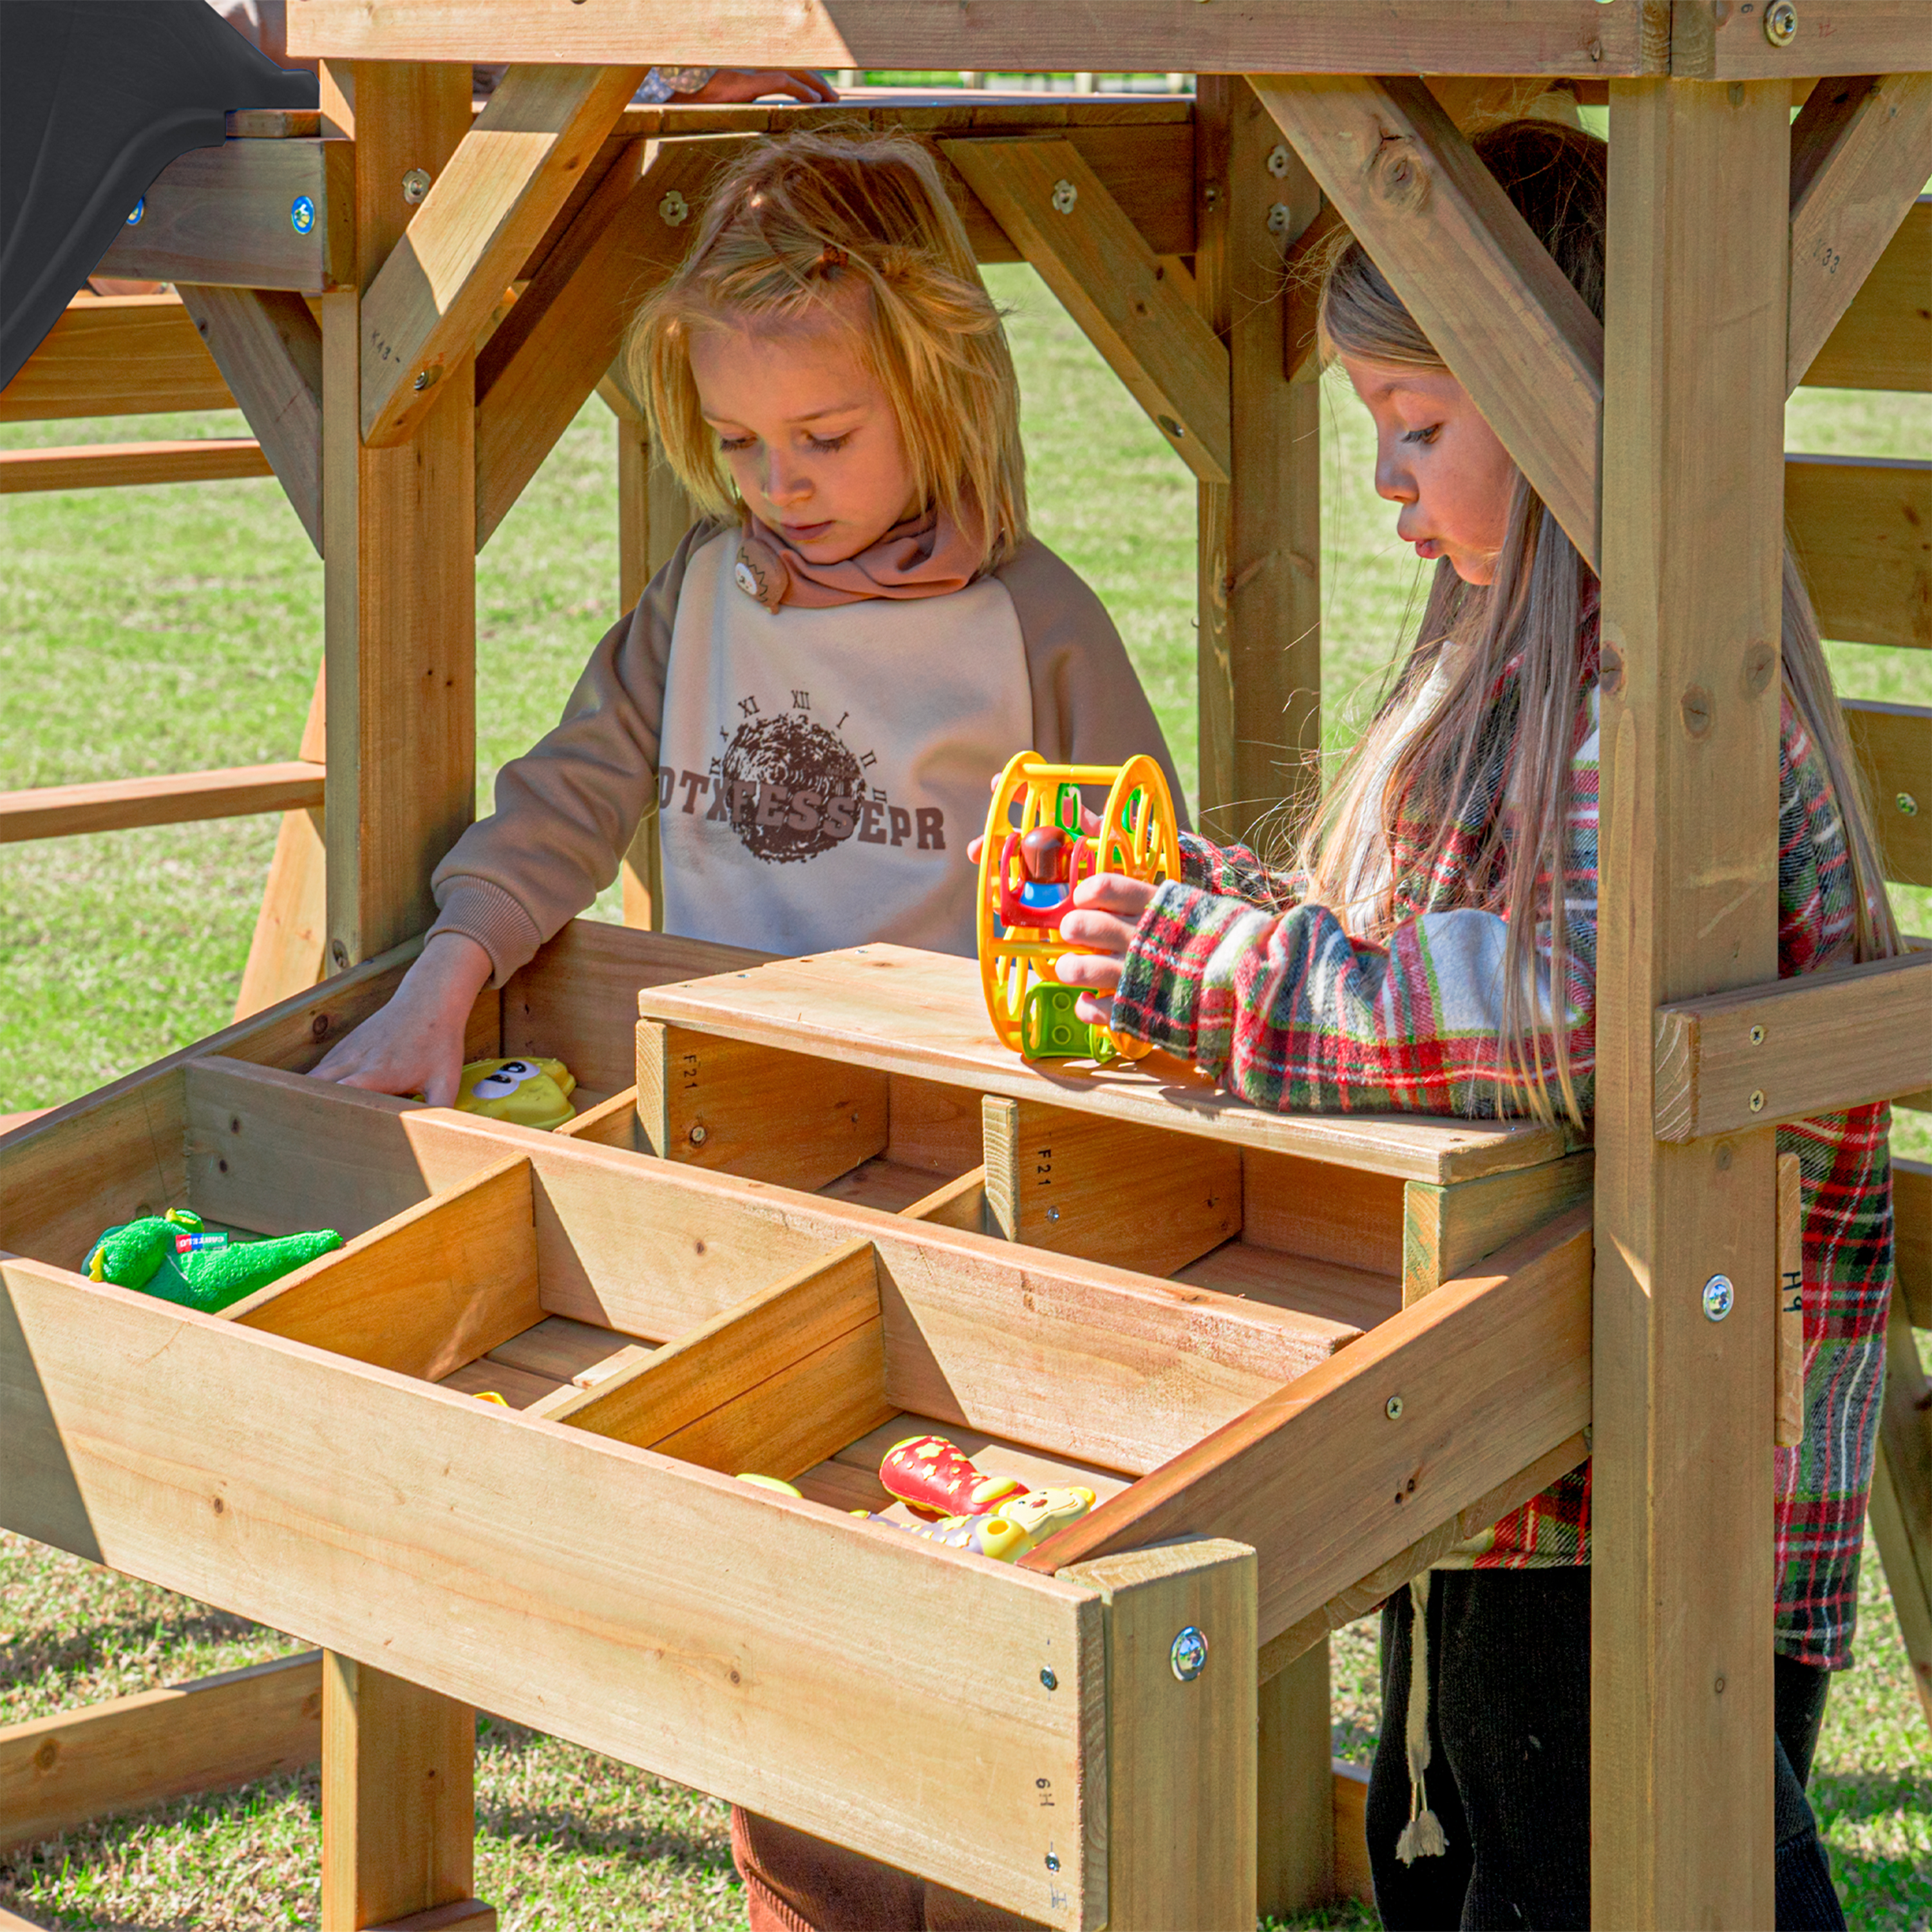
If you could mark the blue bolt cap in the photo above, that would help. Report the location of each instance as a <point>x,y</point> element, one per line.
<point>302,215</point>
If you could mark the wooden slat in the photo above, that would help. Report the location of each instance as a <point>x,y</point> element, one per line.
<point>1861,151</point>
<point>396,1519</point>
<point>131,1753</point>
<point>1862,528</point>
<point>462,1915</point>
<point>1817,1044</point>
<point>102,466</point>
<point>1446,1231</point>
<point>1492,1371</point>
<point>1885,340</point>
<point>286,950</point>
<point>1911,1209</point>
<point>1294,1808</point>
<point>1866,36</point>
<point>268,349</point>
<point>233,215</point>
<point>114,805</point>
<point>1065,223</point>
<point>1440,227</point>
<point>1353,1877</point>
<point>119,355</point>
<point>1894,744</point>
<point>1153,36</point>
<point>1902,1514</point>
<point>1790,1425</point>
<point>486,208</point>
<point>1680,1739</point>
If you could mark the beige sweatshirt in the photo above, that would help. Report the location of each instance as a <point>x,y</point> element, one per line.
<point>818,772</point>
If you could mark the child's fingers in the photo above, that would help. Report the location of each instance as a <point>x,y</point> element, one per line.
<point>1098,972</point>
<point>1095,1012</point>
<point>974,847</point>
<point>1114,892</point>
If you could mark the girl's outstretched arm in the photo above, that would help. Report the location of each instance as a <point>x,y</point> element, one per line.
<point>1238,872</point>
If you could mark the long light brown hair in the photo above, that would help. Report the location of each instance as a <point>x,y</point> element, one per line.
<point>791,231</point>
<point>1529,612</point>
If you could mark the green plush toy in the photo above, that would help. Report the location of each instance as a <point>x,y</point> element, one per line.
<point>169,1255</point>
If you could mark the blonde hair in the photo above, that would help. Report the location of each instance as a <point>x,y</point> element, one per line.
<point>791,231</point>
<point>1530,611</point>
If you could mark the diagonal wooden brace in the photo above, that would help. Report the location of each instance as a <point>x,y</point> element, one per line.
<point>482,216</point>
<point>1056,212</point>
<point>1484,290</point>
<point>1860,151</point>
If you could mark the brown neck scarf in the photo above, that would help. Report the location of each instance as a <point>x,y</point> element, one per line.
<point>927,555</point>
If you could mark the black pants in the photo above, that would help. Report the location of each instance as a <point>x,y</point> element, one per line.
<point>1509,1774</point>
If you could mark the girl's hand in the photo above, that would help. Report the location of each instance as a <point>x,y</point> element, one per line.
<point>746,83</point>
<point>1107,909</point>
<point>415,1044</point>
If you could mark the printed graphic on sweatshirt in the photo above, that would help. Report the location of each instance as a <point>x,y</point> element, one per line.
<point>791,788</point>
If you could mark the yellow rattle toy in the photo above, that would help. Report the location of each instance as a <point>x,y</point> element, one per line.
<point>532,1092</point>
<point>1034,855</point>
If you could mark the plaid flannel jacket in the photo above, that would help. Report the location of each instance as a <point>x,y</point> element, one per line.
<point>1272,999</point>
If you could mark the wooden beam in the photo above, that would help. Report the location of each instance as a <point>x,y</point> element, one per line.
<point>1447,1230</point>
<point>1862,528</point>
<point>130,1753</point>
<point>1498,309</point>
<point>249,214</point>
<point>290,940</point>
<point>1492,36</point>
<point>1487,1375</point>
<point>102,466</point>
<point>1259,549</point>
<point>1902,1497</point>
<point>1680,1727</point>
<point>116,355</point>
<point>1872,36</point>
<point>1861,151</point>
<point>548,354</point>
<point>268,349</point>
<point>1894,744</point>
<point>1067,225</point>
<point>399,557</point>
<point>1817,1044</point>
<point>114,805</point>
<point>486,209</point>
<point>1912,1211</point>
<point>1295,1845</point>
<point>1884,340</point>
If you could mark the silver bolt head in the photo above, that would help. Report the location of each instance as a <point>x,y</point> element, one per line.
<point>699,1134</point>
<point>426,378</point>
<point>415,185</point>
<point>1718,1296</point>
<point>1065,194</point>
<point>1780,23</point>
<point>1281,218</point>
<point>1188,1654</point>
<point>673,209</point>
<point>1757,1036</point>
<point>1757,1100</point>
<point>1047,1678</point>
<point>1053,1861</point>
<point>1277,160</point>
<point>1907,804</point>
<point>1392,1409</point>
<point>1053,1213</point>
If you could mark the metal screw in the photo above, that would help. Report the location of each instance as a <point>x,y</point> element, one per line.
<point>673,209</point>
<point>1053,1861</point>
<point>415,185</point>
<point>1757,1036</point>
<point>1392,1409</point>
<point>1053,1213</point>
<point>1757,1101</point>
<point>1907,804</point>
<point>1718,1296</point>
<point>1173,428</point>
<point>1065,194</point>
<point>302,215</point>
<point>1047,1678</point>
<point>1277,160</point>
<point>1188,1654</point>
<point>338,951</point>
<point>1211,193</point>
<point>140,209</point>
<point>1780,23</point>
<point>1281,218</point>
<point>424,379</point>
<point>699,1133</point>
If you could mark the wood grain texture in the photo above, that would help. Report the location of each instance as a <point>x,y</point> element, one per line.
<point>1353,1877</point>
<point>130,1753</point>
<point>1174,1860</point>
<point>106,466</point>
<point>1867,36</point>
<point>1158,36</point>
<point>463,1914</point>
<point>268,349</point>
<point>394,1518</point>
<point>1347,1216</point>
<point>1681,1573</point>
<point>228,215</point>
<point>113,805</point>
<point>1911,1211</point>
<point>398,1796</point>
<point>922,1014</point>
<point>290,943</point>
<point>1894,744</point>
<point>1884,340</point>
<point>1484,290</point>
<point>1294,1809</point>
<point>1351,1298</point>
<point>1447,1230</point>
<point>1862,529</point>
<point>1861,151</point>
<point>1817,1044</point>
<point>1059,1179</point>
<point>1062,219</point>
<point>116,355</point>
<point>488,205</point>
<point>1902,1498</point>
<point>1790,1425</point>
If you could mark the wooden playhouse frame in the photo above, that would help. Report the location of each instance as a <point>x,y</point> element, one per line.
<point>1654,440</point>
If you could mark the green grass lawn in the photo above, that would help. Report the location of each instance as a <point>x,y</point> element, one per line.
<point>146,631</point>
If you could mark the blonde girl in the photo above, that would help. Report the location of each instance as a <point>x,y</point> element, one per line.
<point>858,633</point>
<point>1433,946</point>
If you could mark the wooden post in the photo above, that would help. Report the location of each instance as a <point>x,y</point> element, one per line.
<point>398,1803</point>
<point>399,552</point>
<point>1294,1788</point>
<point>1681,1737</point>
<point>1260,536</point>
<point>287,952</point>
